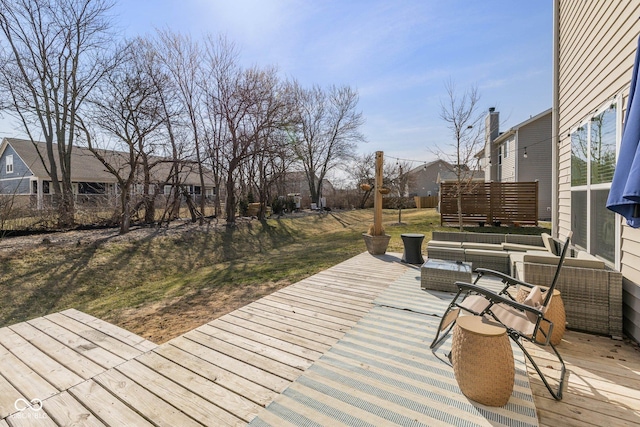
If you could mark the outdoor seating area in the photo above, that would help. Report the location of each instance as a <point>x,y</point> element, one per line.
<point>347,346</point>
<point>523,321</point>
<point>591,291</point>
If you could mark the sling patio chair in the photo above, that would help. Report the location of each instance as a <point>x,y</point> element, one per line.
<point>522,321</point>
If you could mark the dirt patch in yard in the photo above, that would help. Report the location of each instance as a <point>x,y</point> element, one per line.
<point>161,321</point>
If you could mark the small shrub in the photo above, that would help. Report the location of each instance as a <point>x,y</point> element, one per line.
<point>291,204</point>
<point>278,206</point>
<point>243,206</point>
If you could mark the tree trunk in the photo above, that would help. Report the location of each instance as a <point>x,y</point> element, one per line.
<point>125,221</point>
<point>460,209</point>
<point>231,199</point>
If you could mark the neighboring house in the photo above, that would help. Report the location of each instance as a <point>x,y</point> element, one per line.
<point>297,183</point>
<point>23,174</point>
<point>423,180</point>
<point>451,176</point>
<point>594,48</point>
<point>520,154</point>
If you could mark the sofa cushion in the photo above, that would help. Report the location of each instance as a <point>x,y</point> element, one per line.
<point>549,244</point>
<point>569,262</point>
<point>519,247</point>
<point>524,239</point>
<point>580,254</point>
<point>445,253</point>
<point>491,238</point>
<point>485,246</point>
<point>443,244</point>
<point>596,264</point>
<point>487,252</point>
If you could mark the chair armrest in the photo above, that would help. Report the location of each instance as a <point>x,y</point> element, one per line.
<point>504,277</point>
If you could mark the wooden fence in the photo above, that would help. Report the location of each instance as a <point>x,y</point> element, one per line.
<point>509,203</point>
<point>426,202</point>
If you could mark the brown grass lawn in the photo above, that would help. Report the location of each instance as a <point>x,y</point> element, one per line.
<point>160,285</point>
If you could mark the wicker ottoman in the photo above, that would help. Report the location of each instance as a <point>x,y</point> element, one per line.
<point>482,360</point>
<point>441,275</point>
<point>412,243</point>
<point>555,314</point>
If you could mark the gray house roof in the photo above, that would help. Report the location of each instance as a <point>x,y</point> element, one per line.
<point>85,167</point>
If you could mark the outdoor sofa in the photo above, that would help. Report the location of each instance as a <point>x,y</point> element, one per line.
<point>591,290</point>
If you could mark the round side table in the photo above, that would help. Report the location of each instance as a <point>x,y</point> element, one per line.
<point>482,360</point>
<point>412,248</point>
<point>555,314</point>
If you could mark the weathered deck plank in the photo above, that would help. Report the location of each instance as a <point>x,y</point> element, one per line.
<point>106,406</point>
<point>65,356</point>
<point>55,373</point>
<point>64,409</point>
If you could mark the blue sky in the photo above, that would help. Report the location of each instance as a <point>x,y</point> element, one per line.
<point>397,54</point>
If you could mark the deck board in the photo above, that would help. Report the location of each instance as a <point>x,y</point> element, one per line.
<point>64,409</point>
<point>206,370</point>
<point>281,349</point>
<point>106,406</point>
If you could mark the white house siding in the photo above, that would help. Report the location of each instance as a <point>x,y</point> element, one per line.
<point>595,49</point>
<point>537,166</point>
<point>508,160</point>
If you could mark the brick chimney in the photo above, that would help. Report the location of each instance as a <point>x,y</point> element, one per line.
<point>491,132</point>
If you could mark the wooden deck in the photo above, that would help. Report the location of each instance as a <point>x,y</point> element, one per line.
<point>88,372</point>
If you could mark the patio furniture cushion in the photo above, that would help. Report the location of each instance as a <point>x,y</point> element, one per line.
<point>486,252</point>
<point>519,247</point>
<point>445,253</point>
<point>444,244</point>
<point>524,239</point>
<point>549,243</point>
<point>485,246</point>
<point>570,262</point>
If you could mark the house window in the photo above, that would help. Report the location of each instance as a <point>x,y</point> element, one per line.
<point>500,154</point>
<point>593,160</point>
<point>506,149</point>
<point>9,163</point>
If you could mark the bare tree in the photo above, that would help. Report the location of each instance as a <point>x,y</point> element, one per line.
<point>127,108</point>
<point>460,112</point>
<point>362,172</point>
<point>174,146</point>
<point>182,58</point>
<point>246,108</point>
<point>327,131</point>
<point>52,59</point>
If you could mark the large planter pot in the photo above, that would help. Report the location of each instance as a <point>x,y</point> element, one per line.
<point>376,245</point>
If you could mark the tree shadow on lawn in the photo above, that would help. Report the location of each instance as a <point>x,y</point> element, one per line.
<point>127,274</point>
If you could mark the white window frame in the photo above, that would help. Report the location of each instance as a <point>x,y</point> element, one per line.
<point>589,188</point>
<point>9,163</point>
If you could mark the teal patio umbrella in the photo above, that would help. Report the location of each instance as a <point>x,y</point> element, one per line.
<point>624,196</point>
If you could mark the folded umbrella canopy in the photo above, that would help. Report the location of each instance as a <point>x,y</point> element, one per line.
<point>624,196</point>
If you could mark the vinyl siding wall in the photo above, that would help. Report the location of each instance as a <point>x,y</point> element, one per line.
<point>16,182</point>
<point>596,45</point>
<point>508,161</point>
<point>422,181</point>
<point>536,137</point>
